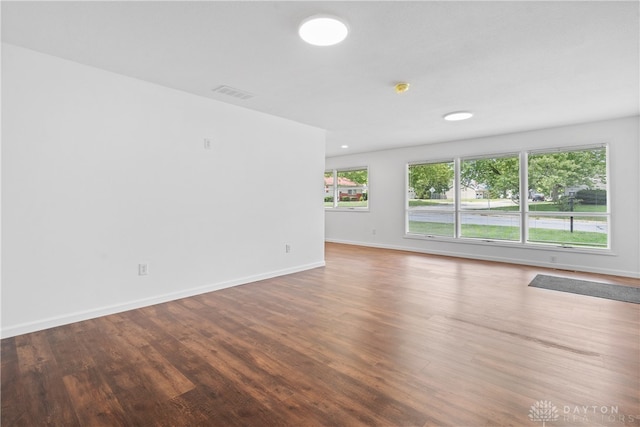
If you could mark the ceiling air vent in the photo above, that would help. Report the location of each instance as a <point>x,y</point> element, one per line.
<point>231,91</point>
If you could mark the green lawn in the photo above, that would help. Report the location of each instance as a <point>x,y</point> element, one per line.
<point>420,202</point>
<point>552,207</point>
<point>496,232</point>
<point>359,204</point>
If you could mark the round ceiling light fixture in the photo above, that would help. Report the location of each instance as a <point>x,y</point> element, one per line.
<point>323,30</point>
<point>457,116</point>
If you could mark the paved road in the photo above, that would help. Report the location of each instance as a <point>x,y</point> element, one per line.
<point>505,221</point>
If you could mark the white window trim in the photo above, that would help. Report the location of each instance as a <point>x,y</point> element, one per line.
<point>456,194</point>
<point>335,207</point>
<point>524,212</point>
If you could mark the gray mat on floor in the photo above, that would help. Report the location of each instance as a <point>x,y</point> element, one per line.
<point>585,287</point>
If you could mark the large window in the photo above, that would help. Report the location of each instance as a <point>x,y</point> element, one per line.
<point>430,209</point>
<point>567,198</point>
<point>489,206</point>
<point>545,198</point>
<point>346,188</point>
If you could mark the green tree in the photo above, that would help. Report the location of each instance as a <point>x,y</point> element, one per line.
<point>424,177</point>
<point>500,176</point>
<point>357,176</point>
<point>552,173</point>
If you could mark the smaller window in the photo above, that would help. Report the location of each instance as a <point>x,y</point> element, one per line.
<point>346,188</point>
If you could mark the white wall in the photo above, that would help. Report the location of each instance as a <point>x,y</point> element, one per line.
<point>387,198</point>
<point>101,172</point>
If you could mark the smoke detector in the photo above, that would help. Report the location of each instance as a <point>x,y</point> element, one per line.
<point>401,87</point>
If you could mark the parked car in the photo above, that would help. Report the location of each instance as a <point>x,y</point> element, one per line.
<point>537,197</point>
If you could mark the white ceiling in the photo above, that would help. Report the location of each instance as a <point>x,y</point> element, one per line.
<point>516,65</point>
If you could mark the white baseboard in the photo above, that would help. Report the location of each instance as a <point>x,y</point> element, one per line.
<point>523,261</point>
<point>38,325</point>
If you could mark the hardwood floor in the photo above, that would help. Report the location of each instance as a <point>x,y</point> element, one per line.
<point>377,337</point>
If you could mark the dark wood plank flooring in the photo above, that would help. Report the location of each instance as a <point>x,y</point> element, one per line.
<point>377,337</point>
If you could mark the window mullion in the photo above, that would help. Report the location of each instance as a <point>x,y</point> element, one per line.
<point>524,197</point>
<point>335,188</point>
<point>456,197</point>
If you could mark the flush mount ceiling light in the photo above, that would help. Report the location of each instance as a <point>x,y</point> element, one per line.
<point>344,146</point>
<point>458,115</point>
<point>323,30</point>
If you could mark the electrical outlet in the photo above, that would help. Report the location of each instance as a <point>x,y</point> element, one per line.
<point>373,231</point>
<point>207,144</point>
<point>143,269</point>
<point>287,248</point>
<point>553,259</point>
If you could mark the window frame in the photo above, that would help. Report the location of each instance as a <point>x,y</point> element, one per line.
<point>468,211</point>
<point>528,214</point>
<point>335,207</point>
<point>523,212</point>
<point>453,211</point>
